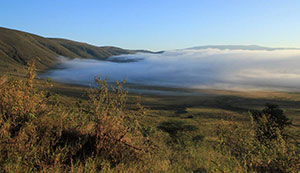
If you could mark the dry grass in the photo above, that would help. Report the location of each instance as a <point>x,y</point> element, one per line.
<point>37,134</point>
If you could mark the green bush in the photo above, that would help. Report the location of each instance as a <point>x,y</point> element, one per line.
<point>173,127</point>
<point>270,123</point>
<point>179,132</point>
<point>256,152</point>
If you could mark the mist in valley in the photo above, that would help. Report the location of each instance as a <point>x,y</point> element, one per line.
<point>234,69</point>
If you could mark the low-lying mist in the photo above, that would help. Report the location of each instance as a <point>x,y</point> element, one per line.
<point>191,68</point>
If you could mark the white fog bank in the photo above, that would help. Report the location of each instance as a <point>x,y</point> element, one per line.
<point>203,68</point>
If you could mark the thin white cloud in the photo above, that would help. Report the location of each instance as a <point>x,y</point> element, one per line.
<point>223,69</point>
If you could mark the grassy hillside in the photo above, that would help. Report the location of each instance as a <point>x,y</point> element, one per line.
<point>17,48</point>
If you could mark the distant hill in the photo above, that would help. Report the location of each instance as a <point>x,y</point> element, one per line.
<point>240,47</point>
<point>17,48</point>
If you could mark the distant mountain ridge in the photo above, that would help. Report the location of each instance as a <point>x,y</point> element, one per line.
<point>240,47</point>
<point>17,48</point>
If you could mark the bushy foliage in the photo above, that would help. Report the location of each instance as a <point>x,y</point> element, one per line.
<point>173,127</point>
<point>37,134</point>
<point>27,125</point>
<point>179,132</point>
<point>260,146</point>
<point>20,102</point>
<point>115,128</point>
<point>270,123</point>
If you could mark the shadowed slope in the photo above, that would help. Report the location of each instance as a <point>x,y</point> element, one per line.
<point>17,48</point>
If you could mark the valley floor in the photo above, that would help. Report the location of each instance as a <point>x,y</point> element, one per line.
<point>207,110</point>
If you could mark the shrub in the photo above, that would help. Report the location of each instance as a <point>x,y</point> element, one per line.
<point>20,102</point>
<point>37,134</point>
<point>178,132</point>
<point>173,127</point>
<point>114,126</point>
<point>198,139</point>
<point>27,125</point>
<point>256,152</point>
<point>270,123</point>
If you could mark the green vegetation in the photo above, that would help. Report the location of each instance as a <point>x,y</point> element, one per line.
<point>18,48</point>
<point>53,127</point>
<point>261,145</point>
<point>270,123</point>
<point>37,134</point>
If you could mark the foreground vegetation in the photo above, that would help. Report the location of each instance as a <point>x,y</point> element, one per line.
<point>106,129</point>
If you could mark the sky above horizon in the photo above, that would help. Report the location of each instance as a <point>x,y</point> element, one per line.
<point>158,24</point>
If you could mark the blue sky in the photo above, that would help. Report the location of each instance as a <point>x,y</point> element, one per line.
<point>158,24</point>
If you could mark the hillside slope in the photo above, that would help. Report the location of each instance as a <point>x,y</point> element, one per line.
<point>17,48</point>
